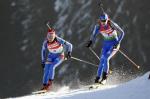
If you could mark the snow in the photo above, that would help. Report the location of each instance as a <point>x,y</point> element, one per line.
<point>138,88</point>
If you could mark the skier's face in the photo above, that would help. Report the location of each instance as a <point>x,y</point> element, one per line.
<point>51,37</point>
<point>103,22</point>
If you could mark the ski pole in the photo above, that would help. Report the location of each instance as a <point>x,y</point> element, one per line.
<point>84,61</point>
<point>94,53</point>
<point>101,6</point>
<point>137,66</point>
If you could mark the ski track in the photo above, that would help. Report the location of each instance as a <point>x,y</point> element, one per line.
<point>129,90</point>
<point>65,91</point>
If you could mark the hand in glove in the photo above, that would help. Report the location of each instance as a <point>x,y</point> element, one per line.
<point>89,43</point>
<point>43,64</point>
<point>68,55</point>
<point>116,45</point>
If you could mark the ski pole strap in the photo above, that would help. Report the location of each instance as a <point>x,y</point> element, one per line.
<point>84,61</point>
<point>137,66</point>
<point>94,53</point>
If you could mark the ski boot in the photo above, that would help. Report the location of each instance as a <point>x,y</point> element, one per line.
<point>96,84</point>
<point>47,87</point>
<point>149,76</point>
<point>97,80</point>
<point>104,79</point>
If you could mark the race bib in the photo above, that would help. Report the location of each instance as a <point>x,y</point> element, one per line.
<point>55,47</point>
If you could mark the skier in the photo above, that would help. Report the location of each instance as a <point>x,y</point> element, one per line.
<point>112,35</point>
<point>56,47</point>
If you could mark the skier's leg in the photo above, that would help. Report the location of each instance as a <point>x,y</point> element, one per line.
<point>56,63</point>
<point>104,74</point>
<point>100,67</point>
<point>106,61</point>
<point>49,72</point>
<point>46,73</point>
<point>46,83</point>
<point>109,54</point>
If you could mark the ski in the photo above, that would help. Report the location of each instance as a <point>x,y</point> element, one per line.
<point>40,92</point>
<point>95,86</point>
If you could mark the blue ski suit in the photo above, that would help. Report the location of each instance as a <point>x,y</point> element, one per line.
<point>112,35</point>
<point>52,55</point>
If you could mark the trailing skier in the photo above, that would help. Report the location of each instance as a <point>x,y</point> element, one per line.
<point>112,37</point>
<point>56,48</point>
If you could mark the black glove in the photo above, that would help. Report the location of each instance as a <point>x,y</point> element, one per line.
<point>68,55</point>
<point>115,46</point>
<point>43,64</point>
<point>89,43</point>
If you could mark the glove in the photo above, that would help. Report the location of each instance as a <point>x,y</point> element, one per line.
<point>68,55</point>
<point>116,45</point>
<point>43,64</point>
<point>89,43</point>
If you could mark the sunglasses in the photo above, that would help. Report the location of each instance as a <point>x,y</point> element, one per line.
<point>103,20</point>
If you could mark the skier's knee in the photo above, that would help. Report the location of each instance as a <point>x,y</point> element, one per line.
<point>48,62</point>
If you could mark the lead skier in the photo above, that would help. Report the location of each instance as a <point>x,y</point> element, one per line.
<point>112,37</point>
<point>56,48</point>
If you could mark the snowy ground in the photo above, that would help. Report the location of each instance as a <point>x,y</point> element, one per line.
<point>138,88</point>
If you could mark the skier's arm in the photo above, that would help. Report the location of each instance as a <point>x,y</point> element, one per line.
<point>117,27</point>
<point>67,44</point>
<point>43,51</point>
<point>94,33</point>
